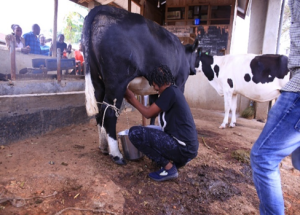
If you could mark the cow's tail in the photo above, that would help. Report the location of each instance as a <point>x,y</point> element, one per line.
<point>90,99</point>
<point>91,103</point>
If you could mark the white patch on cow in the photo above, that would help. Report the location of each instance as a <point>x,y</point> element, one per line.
<point>90,100</point>
<point>113,147</point>
<point>103,145</point>
<point>199,69</point>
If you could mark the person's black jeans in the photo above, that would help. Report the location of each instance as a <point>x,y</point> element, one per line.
<point>157,145</point>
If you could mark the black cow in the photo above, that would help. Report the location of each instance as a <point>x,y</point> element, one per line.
<point>120,46</point>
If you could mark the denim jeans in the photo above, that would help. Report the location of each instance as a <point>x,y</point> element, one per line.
<point>279,138</point>
<point>157,145</point>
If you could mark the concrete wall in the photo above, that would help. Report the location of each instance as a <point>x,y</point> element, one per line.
<point>199,93</point>
<point>24,116</point>
<point>40,86</point>
<point>22,60</point>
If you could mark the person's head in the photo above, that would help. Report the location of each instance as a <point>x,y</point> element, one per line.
<point>36,29</point>
<point>80,47</point>
<point>161,77</point>
<point>42,40</point>
<point>61,38</point>
<point>17,30</point>
<point>69,48</point>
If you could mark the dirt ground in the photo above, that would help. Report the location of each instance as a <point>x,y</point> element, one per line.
<point>63,172</point>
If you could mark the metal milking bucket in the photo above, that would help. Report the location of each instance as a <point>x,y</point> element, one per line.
<point>129,150</point>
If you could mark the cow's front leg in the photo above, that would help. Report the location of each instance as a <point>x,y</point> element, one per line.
<point>227,105</point>
<point>233,111</point>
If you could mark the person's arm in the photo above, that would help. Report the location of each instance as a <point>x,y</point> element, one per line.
<point>147,112</point>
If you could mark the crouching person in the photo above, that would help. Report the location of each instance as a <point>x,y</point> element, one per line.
<point>176,143</point>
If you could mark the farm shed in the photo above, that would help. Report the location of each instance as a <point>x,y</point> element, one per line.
<point>215,31</point>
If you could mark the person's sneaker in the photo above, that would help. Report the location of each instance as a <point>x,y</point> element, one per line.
<point>163,174</point>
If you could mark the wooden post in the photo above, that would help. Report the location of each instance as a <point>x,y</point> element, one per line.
<point>58,65</point>
<point>54,36</point>
<point>129,5</point>
<point>84,68</point>
<point>13,58</point>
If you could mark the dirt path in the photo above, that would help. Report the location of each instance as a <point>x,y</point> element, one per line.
<point>65,170</point>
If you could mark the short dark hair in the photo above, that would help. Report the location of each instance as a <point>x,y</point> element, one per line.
<point>161,75</point>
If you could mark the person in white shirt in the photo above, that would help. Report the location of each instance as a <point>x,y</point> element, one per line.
<point>20,41</point>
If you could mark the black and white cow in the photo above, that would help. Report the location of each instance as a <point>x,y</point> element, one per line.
<point>257,77</point>
<point>119,47</point>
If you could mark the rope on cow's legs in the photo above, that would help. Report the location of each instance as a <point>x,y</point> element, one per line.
<point>117,112</point>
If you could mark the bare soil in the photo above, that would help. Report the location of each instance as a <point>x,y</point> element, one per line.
<point>63,172</point>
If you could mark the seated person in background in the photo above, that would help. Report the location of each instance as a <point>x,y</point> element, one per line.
<point>44,48</point>
<point>177,142</point>
<point>60,44</point>
<point>70,52</point>
<point>79,58</point>
<point>20,41</point>
<point>32,40</point>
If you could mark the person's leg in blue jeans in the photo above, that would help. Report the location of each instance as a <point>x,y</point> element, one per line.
<point>279,138</point>
<point>156,144</point>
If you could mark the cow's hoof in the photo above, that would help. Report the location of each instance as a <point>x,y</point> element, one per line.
<point>119,161</point>
<point>232,125</point>
<point>222,126</point>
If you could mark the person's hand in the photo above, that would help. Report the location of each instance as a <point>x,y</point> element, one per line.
<point>26,50</point>
<point>129,95</point>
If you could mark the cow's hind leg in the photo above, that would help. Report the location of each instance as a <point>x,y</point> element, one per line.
<point>227,103</point>
<point>233,110</point>
<point>99,95</point>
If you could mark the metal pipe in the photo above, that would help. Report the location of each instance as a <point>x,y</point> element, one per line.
<point>144,122</point>
<point>280,26</point>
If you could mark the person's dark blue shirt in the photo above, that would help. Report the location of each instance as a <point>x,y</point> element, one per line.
<point>177,120</point>
<point>33,42</point>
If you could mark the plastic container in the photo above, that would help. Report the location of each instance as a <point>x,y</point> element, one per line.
<point>154,127</point>
<point>129,150</point>
<point>197,21</point>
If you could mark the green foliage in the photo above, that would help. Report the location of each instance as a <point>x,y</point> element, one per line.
<point>73,27</point>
